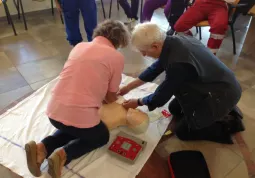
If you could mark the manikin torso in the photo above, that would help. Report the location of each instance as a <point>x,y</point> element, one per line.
<point>115,115</point>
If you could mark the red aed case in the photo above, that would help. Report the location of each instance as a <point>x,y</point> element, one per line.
<point>127,147</point>
<point>166,114</point>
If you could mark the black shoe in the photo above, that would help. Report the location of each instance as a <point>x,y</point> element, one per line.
<point>236,112</point>
<point>235,125</point>
<point>217,132</point>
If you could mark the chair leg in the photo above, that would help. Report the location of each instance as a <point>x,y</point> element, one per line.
<point>233,38</point>
<point>197,30</point>
<point>61,17</point>
<point>9,17</point>
<point>23,14</point>
<point>102,3</point>
<point>200,33</point>
<point>52,8</point>
<point>16,4</point>
<point>141,11</point>
<point>118,5</point>
<point>110,10</point>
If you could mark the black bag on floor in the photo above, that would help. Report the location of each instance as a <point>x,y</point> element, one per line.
<point>188,164</point>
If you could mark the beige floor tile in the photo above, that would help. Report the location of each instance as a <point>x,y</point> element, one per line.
<point>239,172</point>
<point>28,52</point>
<point>220,160</point>
<point>5,62</point>
<point>41,70</point>
<point>47,32</point>
<point>245,77</point>
<point>10,79</point>
<point>6,29</point>
<point>246,63</point>
<point>11,96</point>
<point>248,134</point>
<point>58,46</point>
<point>15,42</point>
<point>244,74</point>
<point>247,104</point>
<point>174,144</point>
<point>234,147</point>
<point>39,84</point>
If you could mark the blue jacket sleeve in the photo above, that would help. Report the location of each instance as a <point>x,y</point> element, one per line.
<point>151,72</point>
<point>175,77</point>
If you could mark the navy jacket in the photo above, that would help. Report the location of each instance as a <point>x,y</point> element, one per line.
<point>206,88</point>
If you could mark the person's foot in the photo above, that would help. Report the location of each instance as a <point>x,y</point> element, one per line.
<point>35,153</point>
<point>234,124</point>
<point>236,112</point>
<point>56,163</point>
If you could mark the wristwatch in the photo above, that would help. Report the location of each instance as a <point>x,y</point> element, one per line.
<point>139,102</point>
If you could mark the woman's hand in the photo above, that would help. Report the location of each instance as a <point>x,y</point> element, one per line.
<point>132,103</point>
<point>132,85</point>
<point>124,90</point>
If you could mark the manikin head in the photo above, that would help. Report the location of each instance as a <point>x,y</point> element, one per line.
<point>137,120</point>
<point>148,38</point>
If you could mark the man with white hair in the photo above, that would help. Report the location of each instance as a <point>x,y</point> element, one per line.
<point>206,91</point>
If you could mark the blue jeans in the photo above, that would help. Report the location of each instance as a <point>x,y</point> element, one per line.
<point>76,141</point>
<point>71,10</point>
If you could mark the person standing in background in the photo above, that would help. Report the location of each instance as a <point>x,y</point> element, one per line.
<point>131,12</point>
<point>151,5</point>
<point>71,11</point>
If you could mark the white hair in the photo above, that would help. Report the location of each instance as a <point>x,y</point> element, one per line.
<point>145,34</point>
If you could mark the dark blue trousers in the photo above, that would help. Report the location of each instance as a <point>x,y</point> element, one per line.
<point>71,11</point>
<point>132,11</point>
<point>76,141</point>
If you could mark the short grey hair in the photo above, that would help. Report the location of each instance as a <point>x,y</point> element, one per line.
<point>145,34</point>
<point>115,31</point>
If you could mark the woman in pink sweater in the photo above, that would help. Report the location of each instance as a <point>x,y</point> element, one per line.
<point>91,75</point>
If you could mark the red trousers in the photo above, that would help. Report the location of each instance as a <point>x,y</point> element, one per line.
<point>215,11</point>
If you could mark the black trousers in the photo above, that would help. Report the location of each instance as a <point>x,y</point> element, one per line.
<point>218,132</point>
<point>76,141</point>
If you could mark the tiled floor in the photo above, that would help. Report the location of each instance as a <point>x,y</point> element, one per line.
<point>34,57</point>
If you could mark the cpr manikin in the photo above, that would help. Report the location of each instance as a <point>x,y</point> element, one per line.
<point>115,115</point>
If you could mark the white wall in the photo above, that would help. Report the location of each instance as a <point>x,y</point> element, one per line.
<point>28,5</point>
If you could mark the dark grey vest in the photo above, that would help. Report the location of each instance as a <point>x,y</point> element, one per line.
<point>216,90</point>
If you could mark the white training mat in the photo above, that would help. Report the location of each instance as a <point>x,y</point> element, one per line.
<point>28,121</point>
